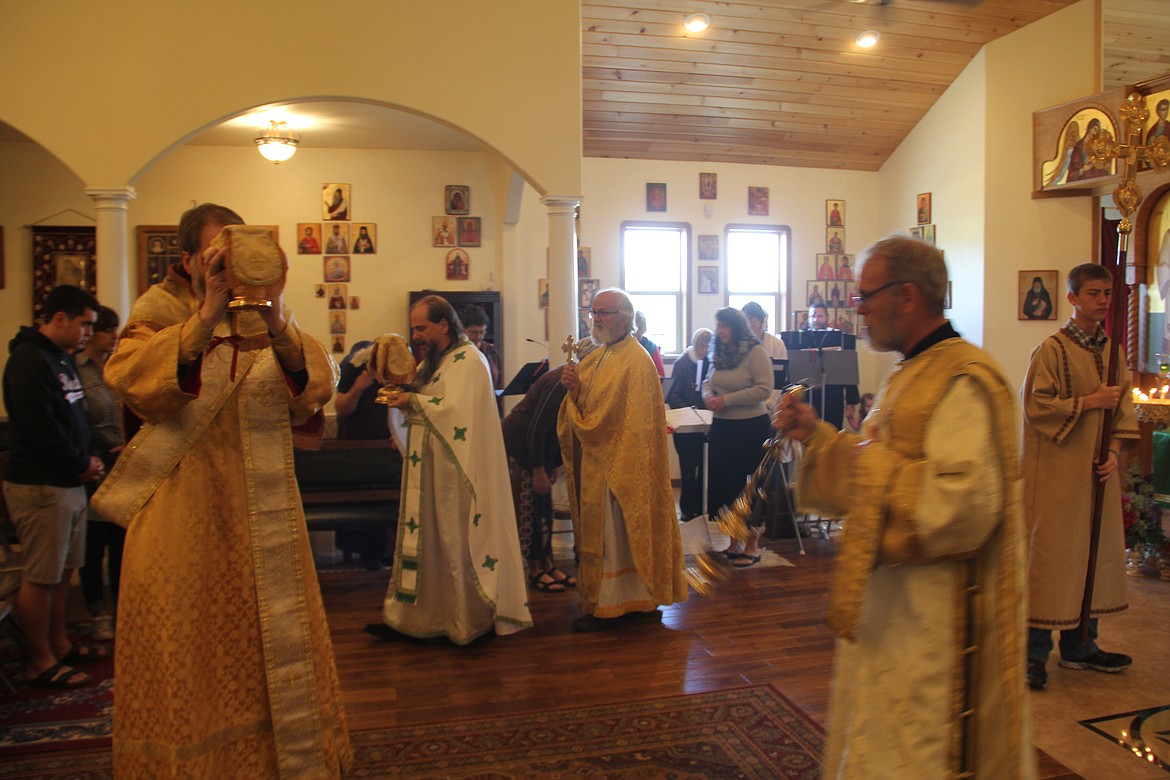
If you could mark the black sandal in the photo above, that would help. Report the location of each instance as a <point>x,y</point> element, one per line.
<point>568,580</point>
<point>549,585</point>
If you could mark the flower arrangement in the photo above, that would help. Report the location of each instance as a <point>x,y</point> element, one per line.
<point>1140,512</point>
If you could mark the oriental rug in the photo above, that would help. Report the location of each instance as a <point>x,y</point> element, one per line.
<point>39,719</point>
<point>743,733</point>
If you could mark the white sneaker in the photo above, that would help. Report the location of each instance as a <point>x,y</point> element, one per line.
<point>102,628</point>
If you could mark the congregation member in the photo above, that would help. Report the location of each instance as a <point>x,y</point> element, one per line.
<point>651,348</point>
<point>104,540</point>
<point>48,465</point>
<point>737,391</point>
<point>475,325</point>
<point>457,569</point>
<point>225,666</point>
<point>686,390</point>
<point>612,429</point>
<point>1065,398</point>
<point>360,418</point>
<point>758,323</point>
<point>928,492</point>
<point>834,402</point>
<point>534,461</point>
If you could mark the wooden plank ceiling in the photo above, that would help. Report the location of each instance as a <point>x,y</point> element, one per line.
<point>781,82</point>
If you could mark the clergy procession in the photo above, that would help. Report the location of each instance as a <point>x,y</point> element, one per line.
<point>946,588</point>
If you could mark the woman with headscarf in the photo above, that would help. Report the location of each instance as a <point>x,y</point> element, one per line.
<point>736,391</point>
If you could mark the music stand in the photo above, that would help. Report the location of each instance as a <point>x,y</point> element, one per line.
<point>779,373</point>
<point>524,378</point>
<point>830,366</point>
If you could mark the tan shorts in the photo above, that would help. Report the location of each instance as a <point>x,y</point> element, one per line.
<point>50,523</point>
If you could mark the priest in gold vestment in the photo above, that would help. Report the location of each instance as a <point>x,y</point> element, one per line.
<point>612,429</point>
<point>224,665</point>
<point>931,561</point>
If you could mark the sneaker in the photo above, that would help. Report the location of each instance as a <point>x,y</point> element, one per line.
<point>1099,660</point>
<point>102,628</point>
<point>1037,675</point>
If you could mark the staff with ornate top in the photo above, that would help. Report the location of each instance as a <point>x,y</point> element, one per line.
<point>1127,196</point>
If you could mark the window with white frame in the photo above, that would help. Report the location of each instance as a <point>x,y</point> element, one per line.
<point>655,263</point>
<point>758,266</point>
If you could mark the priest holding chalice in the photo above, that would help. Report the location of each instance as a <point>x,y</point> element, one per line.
<point>224,662</point>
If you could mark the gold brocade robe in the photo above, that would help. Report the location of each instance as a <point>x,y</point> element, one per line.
<point>931,492</point>
<point>1060,445</point>
<point>224,665</point>
<point>612,430</point>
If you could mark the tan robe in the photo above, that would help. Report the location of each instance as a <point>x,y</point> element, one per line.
<point>612,430</point>
<point>1060,445</point>
<point>931,493</point>
<point>224,663</point>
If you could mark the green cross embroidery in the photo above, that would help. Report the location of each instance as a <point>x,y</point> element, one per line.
<point>460,433</point>
<point>414,458</point>
<point>459,356</point>
<point>411,525</point>
<point>436,400</point>
<point>475,520</point>
<point>490,563</point>
<point>435,378</point>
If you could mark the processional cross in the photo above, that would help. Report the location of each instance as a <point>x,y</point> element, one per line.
<point>1127,196</point>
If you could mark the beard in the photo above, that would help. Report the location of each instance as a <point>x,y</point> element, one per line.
<point>429,363</point>
<point>601,335</point>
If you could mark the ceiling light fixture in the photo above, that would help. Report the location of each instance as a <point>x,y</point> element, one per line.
<point>868,39</point>
<point>697,22</point>
<point>276,142</point>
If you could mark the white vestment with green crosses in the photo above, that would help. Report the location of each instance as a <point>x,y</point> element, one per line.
<point>458,571</point>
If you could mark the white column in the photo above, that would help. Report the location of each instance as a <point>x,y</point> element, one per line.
<point>115,260</point>
<point>562,272</point>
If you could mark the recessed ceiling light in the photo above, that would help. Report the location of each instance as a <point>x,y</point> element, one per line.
<point>868,38</point>
<point>697,22</point>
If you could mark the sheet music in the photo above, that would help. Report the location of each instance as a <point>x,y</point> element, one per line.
<point>689,417</point>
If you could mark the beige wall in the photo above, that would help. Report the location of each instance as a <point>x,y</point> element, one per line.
<point>111,88</point>
<point>1052,61</point>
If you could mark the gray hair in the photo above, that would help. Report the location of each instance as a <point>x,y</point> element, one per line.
<point>911,260</point>
<point>625,304</point>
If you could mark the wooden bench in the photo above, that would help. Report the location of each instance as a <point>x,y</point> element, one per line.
<point>349,485</point>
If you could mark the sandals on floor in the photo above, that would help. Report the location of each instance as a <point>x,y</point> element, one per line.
<point>61,676</point>
<point>742,561</point>
<point>545,582</point>
<point>85,653</point>
<point>568,580</point>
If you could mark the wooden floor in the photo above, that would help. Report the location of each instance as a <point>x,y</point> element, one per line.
<point>766,626</point>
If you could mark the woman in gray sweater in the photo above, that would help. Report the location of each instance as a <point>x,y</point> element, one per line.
<point>736,390</point>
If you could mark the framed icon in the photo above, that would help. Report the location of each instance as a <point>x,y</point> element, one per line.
<point>656,196</point>
<point>468,231</point>
<point>708,186</point>
<point>336,268</point>
<point>363,238</point>
<point>457,199</point>
<point>708,247</point>
<point>835,213</point>
<point>1038,292</point>
<point>758,201</point>
<point>458,265</point>
<point>335,204</point>
<point>708,279</point>
<point>923,210</point>
<point>308,238</point>
<point>443,232</point>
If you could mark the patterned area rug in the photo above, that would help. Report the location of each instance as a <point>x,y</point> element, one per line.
<point>743,733</point>
<point>40,719</point>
